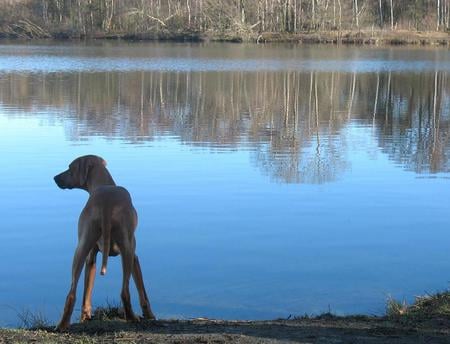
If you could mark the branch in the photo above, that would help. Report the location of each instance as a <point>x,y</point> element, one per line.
<point>140,12</point>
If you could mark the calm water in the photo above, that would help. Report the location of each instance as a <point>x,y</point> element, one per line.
<point>270,180</point>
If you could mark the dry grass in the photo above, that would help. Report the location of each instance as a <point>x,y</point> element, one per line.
<point>111,311</point>
<point>428,306</point>
<point>32,320</point>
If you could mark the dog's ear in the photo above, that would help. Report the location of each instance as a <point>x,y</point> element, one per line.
<point>82,166</point>
<point>80,169</point>
<point>87,164</point>
<point>85,167</point>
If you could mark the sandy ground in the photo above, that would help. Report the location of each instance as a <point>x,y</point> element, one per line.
<point>319,330</point>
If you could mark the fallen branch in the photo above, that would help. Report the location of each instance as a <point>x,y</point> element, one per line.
<point>136,11</point>
<point>30,29</point>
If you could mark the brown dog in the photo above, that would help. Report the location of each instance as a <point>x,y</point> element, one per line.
<point>107,224</point>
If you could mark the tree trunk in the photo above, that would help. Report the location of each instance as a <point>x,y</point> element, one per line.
<point>295,15</point>
<point>264,14</point>
<point>45,11</point>
<point>289,16</point>
<point>91,15</point>
<point>447,20</point>
<point>313,9</point>
<point>438,16</point>
<point>334,13</point>
<point>392,15</point>
<point>340,14</point>
<point>188,5</point>
<point>82,27</point>
<point>381,13</point>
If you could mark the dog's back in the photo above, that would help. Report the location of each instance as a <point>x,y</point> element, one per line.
<point>112,212</point>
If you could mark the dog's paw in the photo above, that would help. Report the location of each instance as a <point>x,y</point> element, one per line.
<point>147,313</point>
<point>62,327</point>
<point>133,318</point>
<point>150,316</point>
<point>85,317</point>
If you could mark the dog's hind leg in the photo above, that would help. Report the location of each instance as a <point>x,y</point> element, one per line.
<point>87,238</point>
<point>79,257</point>
<point>143,299</point>
<point>89,277</point>
<point>126,247</point>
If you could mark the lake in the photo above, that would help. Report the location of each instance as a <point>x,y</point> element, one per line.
<point>270,180</point>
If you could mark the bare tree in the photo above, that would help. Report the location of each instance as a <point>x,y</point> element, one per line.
<point>392,15</point>
<point>380,6</point>
<point>252,17</point>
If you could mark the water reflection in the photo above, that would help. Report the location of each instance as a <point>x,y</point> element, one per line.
<point>296,123</point>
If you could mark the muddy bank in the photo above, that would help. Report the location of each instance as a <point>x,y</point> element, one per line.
<point>324,329</point>
<point>360,37</point>
<point>370,37</point>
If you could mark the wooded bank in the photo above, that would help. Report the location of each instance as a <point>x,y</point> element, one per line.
<point>351,21</point>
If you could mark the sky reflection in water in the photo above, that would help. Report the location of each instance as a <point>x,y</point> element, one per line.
<point>268,182</point>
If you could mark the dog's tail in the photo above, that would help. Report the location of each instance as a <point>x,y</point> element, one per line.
<point>106,234</point>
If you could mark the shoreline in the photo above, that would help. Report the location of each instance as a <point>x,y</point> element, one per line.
<point>427,320</point>
<point>350,37</point>
<point>323,329</point>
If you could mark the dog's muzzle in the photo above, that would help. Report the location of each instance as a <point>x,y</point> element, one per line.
<point>59,182</point>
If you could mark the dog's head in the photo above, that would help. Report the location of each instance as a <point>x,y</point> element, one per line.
<point>77,175</point>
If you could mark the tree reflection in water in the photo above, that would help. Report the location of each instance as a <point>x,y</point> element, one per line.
<point>295,123</point>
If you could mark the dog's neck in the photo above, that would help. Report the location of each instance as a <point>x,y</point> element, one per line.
<point>99,176</point>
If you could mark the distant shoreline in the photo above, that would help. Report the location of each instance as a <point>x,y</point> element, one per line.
<point>353,37</point>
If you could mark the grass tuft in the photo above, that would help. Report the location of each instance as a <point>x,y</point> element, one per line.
<point>424,307</point>
<point>32,320</point>
<point>112,311</point>
<point>395,308</point>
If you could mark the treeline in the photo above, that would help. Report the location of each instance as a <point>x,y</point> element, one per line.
<point>46,18</point>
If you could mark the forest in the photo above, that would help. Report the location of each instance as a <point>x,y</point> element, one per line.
<point>235,18</point>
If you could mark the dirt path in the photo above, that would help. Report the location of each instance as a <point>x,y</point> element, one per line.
<point>328,330</point>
